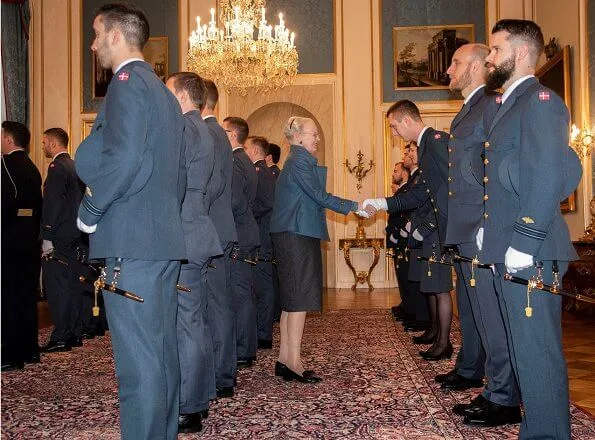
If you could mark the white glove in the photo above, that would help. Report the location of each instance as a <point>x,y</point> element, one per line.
<point>479,238</point>
<point>408,227</point>
<point>417,236</point>
<point>47,247</point>
<point>517,260</point>
<point>85,228</point>
<point>403,233</point>
<point>362,213</point>
<point>392,239</point>
<point>378,204</point>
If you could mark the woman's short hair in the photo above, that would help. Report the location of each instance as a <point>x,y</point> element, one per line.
<point>295,125</point>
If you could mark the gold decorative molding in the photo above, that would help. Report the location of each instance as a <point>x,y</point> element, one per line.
<point>359,170</point>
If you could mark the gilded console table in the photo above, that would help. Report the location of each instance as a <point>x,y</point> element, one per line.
<point>361,242</point>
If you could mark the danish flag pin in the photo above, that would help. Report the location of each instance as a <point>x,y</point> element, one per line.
<point>498,99</point>
<point>123,76</point>
<point>437,136</point>
<point>544,96</point>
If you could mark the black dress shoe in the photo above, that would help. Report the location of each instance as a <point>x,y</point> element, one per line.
<point>493,414</point>
<point>33,358</point>
<point>476,405</point>
<point>437,356</point>
<point>245,362</point>
<point>279,369</point>
<point>188,423</point>
<point>440,378</point>
<point>415,326</point>
<point>424,339</point>
<point>55,347</point>
<point>76,342</point>
<point>100,332</point>
<point>204,413</point>
<point>308,376</point>
<point>265,343</point>
<point>88,335</point>
<point>12,366</point>
<point>396,309</point>
<point>460,383</point>
<point>224,392</point>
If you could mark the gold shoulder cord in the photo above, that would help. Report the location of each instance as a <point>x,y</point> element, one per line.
<point>99,284</point>
<point>474,264</point>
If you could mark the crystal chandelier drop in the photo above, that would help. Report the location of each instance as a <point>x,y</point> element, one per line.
<point>247,53</point>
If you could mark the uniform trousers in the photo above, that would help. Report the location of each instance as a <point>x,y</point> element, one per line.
<point>63,290</point>
<point>244,304</point>
<point>195,345</point>
<point>264,291</point>
<point>221,318</point>
<point>145,348</point>
<point>536,353</point>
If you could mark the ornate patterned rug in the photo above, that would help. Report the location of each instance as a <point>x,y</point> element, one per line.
<point>375,386</point>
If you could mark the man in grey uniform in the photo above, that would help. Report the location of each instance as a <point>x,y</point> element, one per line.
<point>528,170</point>
<point>221,312</point>
<point>195,345</point>
<point>482,327</point>
<point>244,186</point>
<point>133,165</point>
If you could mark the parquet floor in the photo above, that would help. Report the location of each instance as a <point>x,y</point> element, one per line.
<point>578,336</point>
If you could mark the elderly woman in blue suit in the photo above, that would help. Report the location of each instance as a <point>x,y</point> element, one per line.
<point>297,226</point>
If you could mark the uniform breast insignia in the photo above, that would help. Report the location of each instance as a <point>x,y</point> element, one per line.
<point>123,76</point>
<point>257,169</point>
<point>88,192</point>
<point>437,136</point>
<point>544,96</point>
<point>498,99</point>
<point>52,165</point>
<point>528,220</point>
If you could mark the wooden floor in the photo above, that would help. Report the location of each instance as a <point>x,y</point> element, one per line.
<point>578,336</point>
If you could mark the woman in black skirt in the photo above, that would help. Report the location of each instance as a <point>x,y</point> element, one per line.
<point>297,226</point>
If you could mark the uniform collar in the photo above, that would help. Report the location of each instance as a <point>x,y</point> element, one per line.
<point>421,134</point>
<point>61,152</point>
<point>470,95</point>
<point>128,61</point>
<point>514,85</point>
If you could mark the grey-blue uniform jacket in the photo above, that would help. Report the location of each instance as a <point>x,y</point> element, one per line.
<point>301,197</point>
<point>219,189</point>
<point>133,165</point>
<point>263,204</point>
<point>468,133</point>
<point>529,170</point>
<point>202,241</point>
<point>427,193</point>
<point>243,193</point>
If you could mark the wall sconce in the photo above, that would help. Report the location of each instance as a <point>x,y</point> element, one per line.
<point>359,171</point>
<point>581,141</point>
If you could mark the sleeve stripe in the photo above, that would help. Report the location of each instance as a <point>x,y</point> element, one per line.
<point>92,208</point>
<point>528,232</point>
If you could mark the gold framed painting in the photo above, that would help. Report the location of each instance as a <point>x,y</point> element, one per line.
<point>422,54</point>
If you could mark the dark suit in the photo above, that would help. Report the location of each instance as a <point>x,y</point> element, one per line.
<point>195,345</point>
<point>244,186</point>
<point>21,212</point>
<point>529,169</point>
<point>428,196</point>
<point>482,327</point>
<point>263,271</point>
<point>133,165</point>
<point>62,192</point>
<point>275,170</point>
<point>220,312</point>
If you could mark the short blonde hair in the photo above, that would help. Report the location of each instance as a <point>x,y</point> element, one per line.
<point>294,125</point>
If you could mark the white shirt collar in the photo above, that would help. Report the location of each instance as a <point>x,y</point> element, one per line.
<point>204,118</point>
<point>513,86</point>
<point>421,133</point>
<point>61,152</point>
<point>402,184</point>
<point>128,61</point>
<point>237,148</point>
<point>412,171</point>
<point>15,150</point>
<point>470,95</point>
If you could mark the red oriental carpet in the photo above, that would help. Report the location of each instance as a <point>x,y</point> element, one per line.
<point>375,386</point>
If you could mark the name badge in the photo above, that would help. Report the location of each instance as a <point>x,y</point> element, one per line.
<point>25,213</point>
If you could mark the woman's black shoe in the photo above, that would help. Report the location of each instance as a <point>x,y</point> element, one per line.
<point>424,339</point>
<point>444,354</point>
<point>279,369</point>
<point>308,376</point>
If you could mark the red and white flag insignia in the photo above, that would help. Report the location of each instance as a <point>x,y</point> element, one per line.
<point>257,169</point>
<point>544,96</point>
<point>52,165</point>
<point>123,76</point>
<point>437,136</point>
<point>498,99</point>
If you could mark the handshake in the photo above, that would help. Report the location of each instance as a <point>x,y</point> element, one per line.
<point>369,207</point>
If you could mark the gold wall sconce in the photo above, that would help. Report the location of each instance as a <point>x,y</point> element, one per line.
<point>581,141</point>
<point>359,170</point>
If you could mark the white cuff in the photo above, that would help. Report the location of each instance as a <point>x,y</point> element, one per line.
<point>417,235</point>
<point>85,228</point>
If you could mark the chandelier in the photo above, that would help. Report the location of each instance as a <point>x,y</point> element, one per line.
<point>247,53</point>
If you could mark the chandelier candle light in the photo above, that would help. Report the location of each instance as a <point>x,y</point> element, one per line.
<point>239,58</point>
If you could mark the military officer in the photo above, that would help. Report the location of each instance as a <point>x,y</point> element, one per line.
<point>195,345</point>
<point>221,313</point>
<point>529,169</point>
<point>63,192</point>
<point>482,327</point>
<point>428,195</point>
<point>244,186</point>
<point>256,149</point>
<point>133,165</point>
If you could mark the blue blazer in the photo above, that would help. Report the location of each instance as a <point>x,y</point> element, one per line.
<point>529,170</point>
<point>301,197</point>
<point>133,165</point>
<point>243,193</point>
